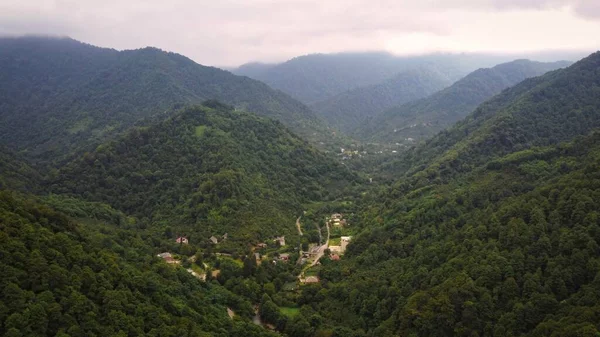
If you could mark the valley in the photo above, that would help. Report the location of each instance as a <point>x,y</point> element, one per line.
<point>357,194</point>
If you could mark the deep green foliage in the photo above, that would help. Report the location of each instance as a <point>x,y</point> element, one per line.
<point>348,110</point>
<point>539,111</point>
<point>425,117</point>
<point>207,171</point>
<point>16,173</point>
<point>57,281</point>
<point>493,232</point>
<point>508,250</point>
<point>59,96</point>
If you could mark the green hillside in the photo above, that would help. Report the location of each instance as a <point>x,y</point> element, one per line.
<point>205,171</point>
<point>423,118</point>
<point>60,96</point>
<point>16,173</point>
<point>494,230</point>
<point>61,279</point>
<point>348,110</point>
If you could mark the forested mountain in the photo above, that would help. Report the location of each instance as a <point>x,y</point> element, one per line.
<point>423,118</point>
<point>60,95</point>
<point>493,230</point>
<point>207,170</point>
<point>60,279</point>
<point>16,173</point>
<point>317,77</point>
<point>348,110</point>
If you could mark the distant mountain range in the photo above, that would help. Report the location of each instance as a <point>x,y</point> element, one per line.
<point>318,77</point>
<point>346,111</point>
<point>58,95</point>
<point>423,118</point>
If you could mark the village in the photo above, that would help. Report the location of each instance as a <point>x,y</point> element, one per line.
<point>305,259</point>
<point>276,251</point>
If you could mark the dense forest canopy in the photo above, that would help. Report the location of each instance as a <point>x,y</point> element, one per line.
<point>494,229</point>
<point>207,170</point>
<point>168,218</point>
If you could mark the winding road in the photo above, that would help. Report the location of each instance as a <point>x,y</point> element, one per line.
<point>321,250</point>
<point>298,226</point>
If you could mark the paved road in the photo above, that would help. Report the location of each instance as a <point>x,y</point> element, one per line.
<point>321,251</point>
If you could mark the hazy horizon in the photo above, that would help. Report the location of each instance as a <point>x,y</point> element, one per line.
<point>233,32</point>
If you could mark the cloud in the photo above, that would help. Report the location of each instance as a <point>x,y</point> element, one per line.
<point>229,32</point>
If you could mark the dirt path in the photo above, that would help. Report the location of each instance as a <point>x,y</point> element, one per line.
<point>298,226</point>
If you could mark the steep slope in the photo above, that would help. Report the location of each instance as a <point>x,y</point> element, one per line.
<point>425,117</point>
<point>539,111</point>
<point>494,231</point>
<point>317,77</point>
<point>207,170</point>
<point>16,173</point>
<point>348,110</point>
<point>59,280</point>
<point>59,94</point>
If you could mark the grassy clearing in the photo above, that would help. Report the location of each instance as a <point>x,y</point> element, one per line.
<point>200,130</point>
<point>290,312</point>
<point>335,241</point>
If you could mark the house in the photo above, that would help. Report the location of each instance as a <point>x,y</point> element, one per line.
<point>336,216</point>
<point>261,245</point>
<point>311,279</point>
<point>281,240</point>
<point>182,240</point>
<point>334,257</point>
<point>336,249</point>
<point>346,238</point>
<point>168,258</point>
<point>284,257</point>
<point>171,260</point>
<point>225,236</point>
<point>214,240</point>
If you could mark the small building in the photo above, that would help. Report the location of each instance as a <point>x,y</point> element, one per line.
<point>182,240</point>
<point>336,216</point>
<point>168,258</point>
<point>311,279</point>
<point>171,260</point>
<point>225,236</point>
<point>334,257</point>
<point>346,238</point>
<point>284,257</point>
<point>281,240</point>
<point>214,240</point>
<point>336,249</point>
<point>261,245</point>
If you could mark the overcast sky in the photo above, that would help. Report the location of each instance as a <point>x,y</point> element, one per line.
<point>232,32</point>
